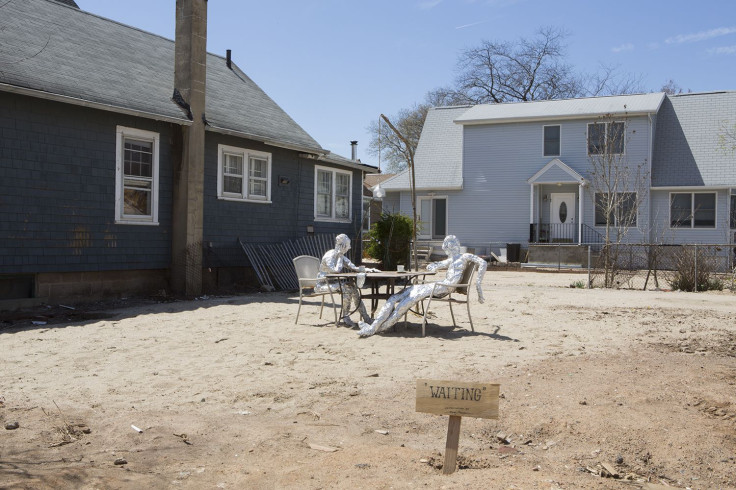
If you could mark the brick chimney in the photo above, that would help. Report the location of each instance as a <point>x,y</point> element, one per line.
<point>190,71</point>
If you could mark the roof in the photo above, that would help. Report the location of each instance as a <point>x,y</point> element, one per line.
<point>438,160</point>
<point>687,147</point>
<point>371,180</point>
<point>562,109</point>
<point>51,50</point>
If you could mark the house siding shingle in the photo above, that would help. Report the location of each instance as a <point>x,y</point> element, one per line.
<point>57,192</point>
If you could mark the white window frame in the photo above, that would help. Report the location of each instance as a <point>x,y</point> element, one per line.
<point>244,195</point>
<point>692,211</point>
<point>366,214</point>
<point>121,133</point>
<point>430,223</point>
<point>605,143</point>
<point>559,143</point>
<point>333,193</point>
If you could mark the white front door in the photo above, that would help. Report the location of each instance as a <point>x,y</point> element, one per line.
<point>562,216</point>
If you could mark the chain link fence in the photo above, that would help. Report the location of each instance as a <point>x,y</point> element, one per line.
<point>687,267</point>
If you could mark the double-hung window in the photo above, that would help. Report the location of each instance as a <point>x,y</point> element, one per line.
<point>136,176</point>
<point>332,194</point>
<point>552,141</point>
<point>606,138</point>
<point>693,210</point>
<point>616,209</point>
<point>243,175</point>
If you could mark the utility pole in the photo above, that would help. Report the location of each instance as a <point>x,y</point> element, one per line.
<point>409,153</point>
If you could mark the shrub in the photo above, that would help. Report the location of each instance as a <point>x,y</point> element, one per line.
<point>389,240</point>
<point>693,269</point>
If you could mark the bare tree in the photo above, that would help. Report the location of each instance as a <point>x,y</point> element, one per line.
<point>727,136</point>
<point>523,70</point>
<point>673,88</point>
<point>617,188</point>
<point>394,150</point>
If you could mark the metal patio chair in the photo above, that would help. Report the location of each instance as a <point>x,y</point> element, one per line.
<point>307,267</point>
<point>459,293</point>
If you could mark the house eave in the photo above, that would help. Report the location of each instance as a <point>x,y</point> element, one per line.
<point>693,187</point>
<point>66,99</point>
<point>568,117</point>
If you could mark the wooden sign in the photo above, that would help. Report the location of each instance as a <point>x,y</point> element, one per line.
<point>458,400</point>
<point>478,400</point>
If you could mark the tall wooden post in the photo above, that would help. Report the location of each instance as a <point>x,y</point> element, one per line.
<point>190,74</point>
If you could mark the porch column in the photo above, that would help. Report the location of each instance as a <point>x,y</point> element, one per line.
<point>531,204</point>
<point>580,215</point>
<point>531,209</point>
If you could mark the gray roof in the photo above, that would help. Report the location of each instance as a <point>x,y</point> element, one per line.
<point>562,109</point>
<point>439,157</point>
<point>54,50</point>
<point>687,150</point>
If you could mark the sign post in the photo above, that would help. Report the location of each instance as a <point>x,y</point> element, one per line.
<point>458,400</point>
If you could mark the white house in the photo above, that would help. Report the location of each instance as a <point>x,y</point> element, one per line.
<point>523,172</point>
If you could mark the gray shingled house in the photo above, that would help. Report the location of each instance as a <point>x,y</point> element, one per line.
<point>96,195</point>
<point>520,173</point>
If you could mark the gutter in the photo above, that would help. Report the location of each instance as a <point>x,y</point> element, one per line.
<point>521,119</point>
<point>66,99</point>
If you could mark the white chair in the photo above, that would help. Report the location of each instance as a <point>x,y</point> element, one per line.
<point>460,289</point>
<point>307,268</point>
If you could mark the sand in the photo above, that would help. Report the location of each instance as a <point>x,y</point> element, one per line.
<point>230,393</point>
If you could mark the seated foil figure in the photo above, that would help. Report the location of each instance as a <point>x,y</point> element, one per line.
<point>399,304</point>
<point>333,262</point>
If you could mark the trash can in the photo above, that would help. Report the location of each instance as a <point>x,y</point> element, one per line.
<point>513,252</point>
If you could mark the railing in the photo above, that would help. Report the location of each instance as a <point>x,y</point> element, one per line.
<point>592,238</point>
<point>553,233</point>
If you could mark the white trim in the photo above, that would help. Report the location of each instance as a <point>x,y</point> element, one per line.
<point>556,162</point>
<point>121,133</point>
<point>692,213</point>
<point>333,192</point>
<point>690,188</point>
<point>246,155</point>
<point>559,143</point>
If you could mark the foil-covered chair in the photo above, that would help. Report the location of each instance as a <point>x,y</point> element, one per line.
<point>307,267</point>
<point>459,293</point>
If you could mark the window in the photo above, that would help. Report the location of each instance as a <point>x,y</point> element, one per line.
<point>366,214</point>
<point>136,176</point>
<point>606,138</point>
<point>733,209</point>
<point>332,194</point>
<point>551,141</point>
<point>623,210</point>
<point>243,175</point>
<point>693,210</point>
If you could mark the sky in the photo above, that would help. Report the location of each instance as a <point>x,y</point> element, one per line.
<point>336,65</point>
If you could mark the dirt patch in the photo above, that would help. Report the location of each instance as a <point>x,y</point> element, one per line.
<point>599,389</point>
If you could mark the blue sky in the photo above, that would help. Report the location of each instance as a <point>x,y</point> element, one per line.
<point>336,65</point>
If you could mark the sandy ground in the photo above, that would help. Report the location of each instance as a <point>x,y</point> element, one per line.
<point>230,393</point>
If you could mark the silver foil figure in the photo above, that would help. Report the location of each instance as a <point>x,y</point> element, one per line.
<point>399,304</point>
<point>334,262</point>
